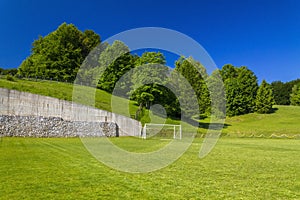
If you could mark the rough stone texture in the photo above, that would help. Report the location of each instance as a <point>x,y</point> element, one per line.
<point>15,103</point>
<point>33,126</point>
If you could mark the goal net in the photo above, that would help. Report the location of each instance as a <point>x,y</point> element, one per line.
<point>161,130</point>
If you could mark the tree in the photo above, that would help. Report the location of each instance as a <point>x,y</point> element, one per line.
<point>151,58</point>
<point>149,78</point>
<point>122,63</point>
<point>149,83</point>
<point>281,93</point>
<point>11,72</point>
<point>217,94</point>
<point>59,54</point>
<point>264,98</point>
<point>195,73</point>
<point>295,96</point>
<point>241,87</point>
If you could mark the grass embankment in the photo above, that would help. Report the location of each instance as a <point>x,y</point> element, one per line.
<point>101,99</point>
<point>49,168</point>
<point>284,121</point>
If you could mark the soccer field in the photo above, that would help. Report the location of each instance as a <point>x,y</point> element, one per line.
<point>60,168</point>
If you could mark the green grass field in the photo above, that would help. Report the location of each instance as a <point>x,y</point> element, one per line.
<point>47,168</point>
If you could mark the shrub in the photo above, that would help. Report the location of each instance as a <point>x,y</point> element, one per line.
<point>10,77</point>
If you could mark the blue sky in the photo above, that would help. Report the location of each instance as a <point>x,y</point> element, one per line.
<point>263,35</point>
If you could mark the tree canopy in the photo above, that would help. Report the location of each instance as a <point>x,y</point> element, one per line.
<point>282,91</point>
<point>295,96</point>
<point>240,87</point>
<point>264,98</point>
<point>195,73</point>
<point>59,54</point>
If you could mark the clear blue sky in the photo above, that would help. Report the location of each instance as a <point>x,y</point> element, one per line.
<point>263,35</point>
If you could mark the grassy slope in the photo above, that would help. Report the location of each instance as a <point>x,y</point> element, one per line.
<point>51,168</point>
<point>283,121</point>
<point>65,91</point>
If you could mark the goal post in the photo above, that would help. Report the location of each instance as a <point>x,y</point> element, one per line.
<point>162,130</point>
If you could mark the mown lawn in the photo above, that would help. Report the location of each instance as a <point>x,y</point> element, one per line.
<point>61,168</point>
<point>285,120</point>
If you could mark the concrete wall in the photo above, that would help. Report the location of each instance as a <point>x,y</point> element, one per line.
<point>15,103</point>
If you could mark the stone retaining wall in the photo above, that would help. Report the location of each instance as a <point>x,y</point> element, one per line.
<point>36,126</point>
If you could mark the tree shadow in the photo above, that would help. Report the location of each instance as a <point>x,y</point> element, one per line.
<point>213,126</point>
<point>273,110</point>
<point>206,125</point>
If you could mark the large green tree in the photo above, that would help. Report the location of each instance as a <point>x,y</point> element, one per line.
<point>59,54</point>
<point>295,96</point>
<point>149,83</point>
<point>148,77</point>
<point>116,60</point>
<point>217,94</point>
<point>241,87</point>
<point>195,73</point>
<point>264,98</point>
<point>281,93</point>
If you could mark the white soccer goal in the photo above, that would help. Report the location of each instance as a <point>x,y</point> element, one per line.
<point>161,130</point>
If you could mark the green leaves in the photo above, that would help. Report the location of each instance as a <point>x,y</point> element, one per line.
<point>295,96</point>
<point>151,58</point>
<point>282,91</point>
<point>196,75</point>
<point>116,60</point>
<point>241,87</point>
<point>59,54</point>
<point>264,98</point>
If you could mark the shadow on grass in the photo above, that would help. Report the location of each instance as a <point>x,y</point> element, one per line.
<point>273,110</point>
<point>213,126</point>
<point>206,125</point>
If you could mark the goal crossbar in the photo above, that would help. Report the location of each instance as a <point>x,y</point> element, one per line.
<point>144,133</point>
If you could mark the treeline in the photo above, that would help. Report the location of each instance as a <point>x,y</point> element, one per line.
<point>11,72</point>
<point>284,93</point>
<point>146,78</point>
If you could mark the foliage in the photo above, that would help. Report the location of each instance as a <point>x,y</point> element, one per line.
<point>295,96</point>
<point>195,73</point>
<point>122,63</point>
<point>264,98</point>
<point>10,77</point>
<point>241,87</point>
<point>59,54</point>
<point>151,58</point>
<point>282,91</point>
<point>148,78</point>
<point>217,94</point>
<point>12,72</point>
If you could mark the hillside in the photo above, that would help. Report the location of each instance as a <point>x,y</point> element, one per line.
<point>64,91</point>
<point>284,121</point>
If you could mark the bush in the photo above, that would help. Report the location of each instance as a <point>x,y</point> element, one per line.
<point>10,77</point>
